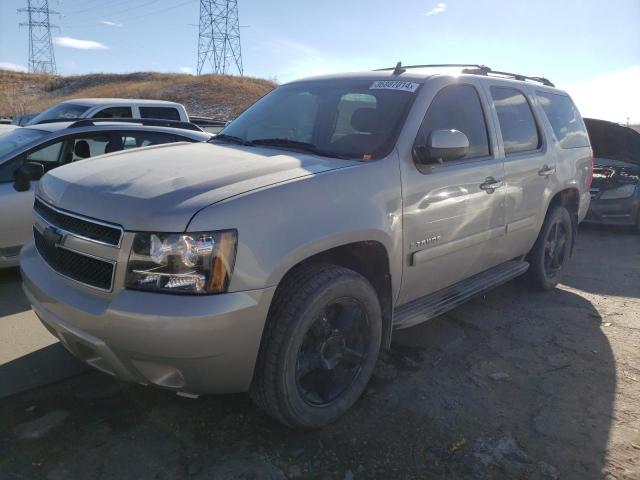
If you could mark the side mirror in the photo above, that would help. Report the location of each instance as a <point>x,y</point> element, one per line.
<point>24,175</point>
<point>442,146</point>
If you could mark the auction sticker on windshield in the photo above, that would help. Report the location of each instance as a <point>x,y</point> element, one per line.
<point>395,85</point>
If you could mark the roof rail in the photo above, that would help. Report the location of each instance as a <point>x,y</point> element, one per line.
<point>469,68</point>
<point>149,122</point>
<point>207,121</point>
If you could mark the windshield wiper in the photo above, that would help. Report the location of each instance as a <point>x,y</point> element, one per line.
<point>305,146</point>
<point>231,139</point>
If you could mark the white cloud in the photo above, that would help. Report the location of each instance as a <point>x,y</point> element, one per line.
<point>612,96</point>
<point>14,67</point>
<point>439,8</point>
<point>112,24</point>
<point>79,44</point>
<point>186,70</point>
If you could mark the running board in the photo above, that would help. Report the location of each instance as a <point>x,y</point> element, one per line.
<point>442,301</point>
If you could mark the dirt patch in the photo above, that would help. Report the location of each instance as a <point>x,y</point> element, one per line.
<point>219,96</point>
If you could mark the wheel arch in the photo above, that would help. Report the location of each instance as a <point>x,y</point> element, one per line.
<point>369,258</point>
<point>568,198</point>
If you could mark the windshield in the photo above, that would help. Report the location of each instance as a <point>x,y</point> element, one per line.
<point>17,138</point>
<point>357,119</point>
<point>62,111</point>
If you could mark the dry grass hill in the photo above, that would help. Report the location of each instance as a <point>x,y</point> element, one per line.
<point>217,96</point>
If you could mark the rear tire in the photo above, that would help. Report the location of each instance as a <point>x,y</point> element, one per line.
<point>550,254</point>
<point>319,347</point>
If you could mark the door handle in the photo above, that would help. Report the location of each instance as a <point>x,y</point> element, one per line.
<point>546,171</point>
<point>490,184</point>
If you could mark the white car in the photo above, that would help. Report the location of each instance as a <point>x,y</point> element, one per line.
<point>79,108</point>
<point>27,153</point>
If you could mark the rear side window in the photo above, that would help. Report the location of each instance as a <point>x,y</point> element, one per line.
<point>160,113</point>
<point>458,107</point>
<point>564,119</point>
<point>114,112</point>
<point>517,124</point>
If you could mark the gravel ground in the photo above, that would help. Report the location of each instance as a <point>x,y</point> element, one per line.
<point>514,385</point>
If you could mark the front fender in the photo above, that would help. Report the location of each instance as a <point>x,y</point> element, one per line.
<point>280,226</point>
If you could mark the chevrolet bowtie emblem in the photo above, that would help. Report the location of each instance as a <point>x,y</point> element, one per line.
<point>52,236</point>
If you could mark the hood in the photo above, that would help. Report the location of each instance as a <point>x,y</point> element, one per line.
<point>611,162</point>
<point>160,188</point>
<point>610,173</point>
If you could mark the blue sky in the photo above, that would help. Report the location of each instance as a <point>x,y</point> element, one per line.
<point>591,48</point>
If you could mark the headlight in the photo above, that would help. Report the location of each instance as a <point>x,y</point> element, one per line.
<point>182,262</point>
<point>624,191</point>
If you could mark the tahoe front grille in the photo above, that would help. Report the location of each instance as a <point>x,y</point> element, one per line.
<point>88,270</point>
<point>84,228</point>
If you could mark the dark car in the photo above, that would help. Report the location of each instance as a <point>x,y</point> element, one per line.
<point>615,191</point>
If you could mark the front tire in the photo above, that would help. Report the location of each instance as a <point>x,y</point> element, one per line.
<point>319,348</point>
<point>550,254</point>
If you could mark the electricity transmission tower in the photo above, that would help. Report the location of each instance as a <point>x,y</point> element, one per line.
<point>219,36</point>
<point>41,57</point>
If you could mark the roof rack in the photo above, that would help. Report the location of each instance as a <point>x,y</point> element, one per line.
<point>148,122</point>
<point>207,122</point>
<point>469,68</point>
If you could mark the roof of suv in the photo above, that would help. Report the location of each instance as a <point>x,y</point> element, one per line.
<point>422,73</point>
<point>102,101</point>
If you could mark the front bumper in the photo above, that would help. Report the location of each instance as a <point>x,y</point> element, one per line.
<point>614,212</point>
<point>195,344</point>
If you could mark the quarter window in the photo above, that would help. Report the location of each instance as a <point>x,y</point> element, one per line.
<point>159,113</point>
<point>565,120</point>
<point>458,107</point>
<point>517,124</point>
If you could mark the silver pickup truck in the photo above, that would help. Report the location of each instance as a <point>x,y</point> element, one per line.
<point>279,257</point>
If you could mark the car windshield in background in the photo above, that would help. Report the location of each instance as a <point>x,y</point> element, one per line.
<point>62,111</point>
<point>343,119</point>
<point>17,138</point>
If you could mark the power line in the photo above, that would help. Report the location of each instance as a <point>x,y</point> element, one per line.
<point>41,56</point>
<point>219,36</point>
<point>117,16</point>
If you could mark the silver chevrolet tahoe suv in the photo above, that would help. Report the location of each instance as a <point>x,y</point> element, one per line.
<point>279,257</point>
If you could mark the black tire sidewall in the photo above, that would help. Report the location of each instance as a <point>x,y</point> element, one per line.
<point>538,274</point>
<point>352,286</point>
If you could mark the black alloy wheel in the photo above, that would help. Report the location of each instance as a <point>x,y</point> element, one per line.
<point>332,352</point>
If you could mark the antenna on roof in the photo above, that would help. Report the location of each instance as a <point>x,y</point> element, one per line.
<point>399,70</point>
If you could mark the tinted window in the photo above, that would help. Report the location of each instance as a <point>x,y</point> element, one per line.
<point>518,127</point>
<point>458,107</point>
<point>564,119</point>
<point>161,113</point>
<point>114,112</point>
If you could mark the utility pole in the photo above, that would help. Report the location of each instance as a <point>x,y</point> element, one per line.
<point>219,37</point>
<point>41,57</point>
